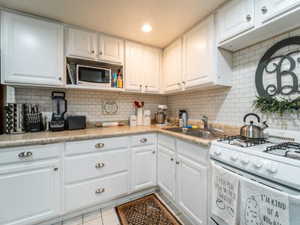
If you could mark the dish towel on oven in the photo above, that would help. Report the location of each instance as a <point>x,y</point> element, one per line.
<point>262,205</point>
<point>225,195</point>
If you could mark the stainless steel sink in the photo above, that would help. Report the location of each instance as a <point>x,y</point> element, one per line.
<point>207,134</point>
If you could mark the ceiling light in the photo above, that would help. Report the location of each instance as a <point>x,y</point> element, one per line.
<point>146,28</point>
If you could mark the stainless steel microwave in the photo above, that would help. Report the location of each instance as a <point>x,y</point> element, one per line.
<point>90,75</point>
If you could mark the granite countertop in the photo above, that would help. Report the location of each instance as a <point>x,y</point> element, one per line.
<point>93,133</point>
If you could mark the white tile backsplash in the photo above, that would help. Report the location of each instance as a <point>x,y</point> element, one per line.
<point>89,103</point>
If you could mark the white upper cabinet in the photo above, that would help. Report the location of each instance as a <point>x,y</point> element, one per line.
<point>81,43</point>
<point>198,47</point>
<point>152,65</point>
<point>31,51</point>
<point>134,70</point>
<point>111,48</point>
<point>172,67</point>
<point>235,17</point>
<point>268,10</point>
<point>91,45</point>
<point>143,65</point>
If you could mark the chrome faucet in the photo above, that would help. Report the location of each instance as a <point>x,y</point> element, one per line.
<point>205,122</point>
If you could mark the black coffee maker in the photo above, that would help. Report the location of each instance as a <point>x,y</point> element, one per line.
<point>59,108</point>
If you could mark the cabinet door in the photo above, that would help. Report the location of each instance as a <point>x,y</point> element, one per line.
<point>192,189</point>
<point>82,43</point>
<point>198,51</point>
<point>111,49</point>
<point>267,10</point>
<point>29,194</point>
<point>173,66</point>
<point>166,171</point>
<point>235,17</point>
<point>32,50</point>
<point>134,66</point>
<point>143,167</point>
<point>151,74</point>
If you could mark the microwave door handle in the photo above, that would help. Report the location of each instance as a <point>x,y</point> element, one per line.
<point>66,107</point>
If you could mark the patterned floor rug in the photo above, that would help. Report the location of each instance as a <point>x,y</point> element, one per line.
<point>148,210</point>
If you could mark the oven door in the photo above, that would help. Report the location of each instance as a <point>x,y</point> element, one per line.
<point>294,195</point>
<point>89,75</point>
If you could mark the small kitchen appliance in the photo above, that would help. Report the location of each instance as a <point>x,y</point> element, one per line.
<point>76,122</point>
<point>161,114</point>
<point>93,75</point>
<point>183,118</point>
<point>59,107</point>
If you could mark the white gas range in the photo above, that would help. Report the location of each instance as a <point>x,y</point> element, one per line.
<point>274,162</point>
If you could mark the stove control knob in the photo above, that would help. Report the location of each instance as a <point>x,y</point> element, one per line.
<point>234,158</point>
<point>257,165</point>
<point>245,161</point>
<point>271,168</point>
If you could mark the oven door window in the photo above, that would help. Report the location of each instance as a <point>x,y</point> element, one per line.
<point>94,75</point>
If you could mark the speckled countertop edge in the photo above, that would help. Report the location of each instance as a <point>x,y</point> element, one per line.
<point>42,138</point>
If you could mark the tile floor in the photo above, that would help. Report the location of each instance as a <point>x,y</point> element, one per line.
<point>108,216</point>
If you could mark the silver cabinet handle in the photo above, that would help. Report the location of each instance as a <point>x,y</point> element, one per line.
<point>21,155</point>
<point>248,17</point>
<point>99,165</point>
<point>143,140</point>
<point>25,155</point>
<point>264,10</point>
<point>99,190</point>
<point>99,145</point>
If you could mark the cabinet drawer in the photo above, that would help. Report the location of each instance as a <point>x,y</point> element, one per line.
<point>30,153</point>
<point>166,141</point>
<point>193,151</point>
<point>83,167</point>
<point>79,147</point>
<point>96,191</point>
<point>143,139</point>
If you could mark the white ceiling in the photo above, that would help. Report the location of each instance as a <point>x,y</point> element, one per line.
<point>124,18</point>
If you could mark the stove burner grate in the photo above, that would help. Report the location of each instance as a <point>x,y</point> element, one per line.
<point>243,141</point>
<point>284,146</point>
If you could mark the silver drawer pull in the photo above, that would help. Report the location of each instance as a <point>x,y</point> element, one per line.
<point>99,190</point>
<point>99,165</point>
<point>143,140</point>
<point>24,155</point>
<point>99,145</point>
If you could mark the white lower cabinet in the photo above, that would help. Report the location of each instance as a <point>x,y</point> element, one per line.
<point>192,189</point>
<point>143,167</point>
<point>29,190</point>
<point>89,193</point>
<point>166,171</point>
<point>184,177</point>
